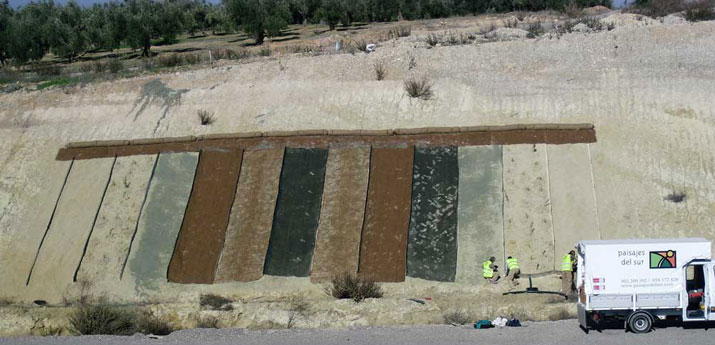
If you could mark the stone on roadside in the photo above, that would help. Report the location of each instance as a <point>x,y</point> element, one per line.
<point>581,27</point>
<point>673,18</point>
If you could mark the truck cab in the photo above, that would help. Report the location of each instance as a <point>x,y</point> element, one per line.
<point>639,281</point>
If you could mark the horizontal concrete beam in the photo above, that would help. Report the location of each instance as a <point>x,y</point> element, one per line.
<point>429,136</point>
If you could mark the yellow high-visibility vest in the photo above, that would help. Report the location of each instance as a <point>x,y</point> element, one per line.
<point>567,263</point>
<point>487,271</point>
<point>512,264</point>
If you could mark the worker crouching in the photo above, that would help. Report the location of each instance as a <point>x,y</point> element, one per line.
<point>489,271</point>
<point>512,270</point>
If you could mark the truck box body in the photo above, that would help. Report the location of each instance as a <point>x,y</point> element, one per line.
<point>633,274</point>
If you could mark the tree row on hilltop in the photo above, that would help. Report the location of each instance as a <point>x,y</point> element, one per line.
<point>69,31</point>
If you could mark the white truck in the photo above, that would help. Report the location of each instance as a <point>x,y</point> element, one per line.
<point>640,281</point>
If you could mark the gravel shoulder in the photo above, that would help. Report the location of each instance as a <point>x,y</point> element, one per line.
<point>533,333</point>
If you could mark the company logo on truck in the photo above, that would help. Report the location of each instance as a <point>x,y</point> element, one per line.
<point>665,259</point>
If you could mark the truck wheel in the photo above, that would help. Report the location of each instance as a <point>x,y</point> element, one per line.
<point>640,322</point>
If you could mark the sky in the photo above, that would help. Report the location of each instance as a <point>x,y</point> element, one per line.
<point>17,3</point>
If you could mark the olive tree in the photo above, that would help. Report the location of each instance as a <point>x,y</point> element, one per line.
<point>142,18</point>
<point>6,14</point>
<point>259,18</point>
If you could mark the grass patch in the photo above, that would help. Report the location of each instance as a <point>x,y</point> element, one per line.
<point>432,39</point>
<point>172,60</point>
<point>264,51</point>
<point>149,323</point>
<point>51,331</point>
<point>349,286</point>
<point>99,319</point>
<point>560,314</point>
<point>456,317</point>
<point>115,66</point>
<point>400,31</point>
<point>207,322</point>
<point>380,70</point>
<point>46,70</point>
<point>99,66</point>
<point>215,302</point>
<point>361,45</point>
<point>535,29</point>
<point>419,88</point>
<point>63,81</point>
<point>207,118</point>
<point>298,308</point>
<point>193,59</point>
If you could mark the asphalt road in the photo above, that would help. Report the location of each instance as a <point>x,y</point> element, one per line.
<point>547,333</point>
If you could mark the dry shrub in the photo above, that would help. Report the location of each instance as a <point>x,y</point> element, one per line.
<point>419,88</point>
<point>99,67</point>
<point>229,54</point>
<point>349,286</point>
<point>432,39</point>
<point>46,70</point>
<point>171,60</point>
<point>411,62</point>
<point>192,59</point>
<point>148,323</point>
<point>593,23</point>
<point>207,322</point>
<point>562,313</point>
<point>380,70</point>
<point>454,38</point>
<point>298,307</point>
<point>101,319</point>
<point>301,49</point>
<point>400,31</point>
<point>456,317</point>
<point>85,68</point>
<point>206,118</point>
<point>264,51</point>
<point>51,331</point>
<point>147,64</point>
<point>115,66</point>
<point>700,11</point>
<point>361,45</point>
<point>676,197</point>
<point>572,10</point>
<point>659,8</point>
<point>215,302</point>
<point>535,29</point>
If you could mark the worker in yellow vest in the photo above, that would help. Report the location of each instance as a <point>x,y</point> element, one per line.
<point>512,269</point>
<point>489,271</point>
<point>567,268</point>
